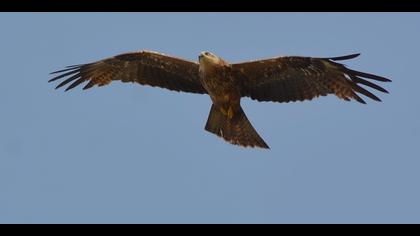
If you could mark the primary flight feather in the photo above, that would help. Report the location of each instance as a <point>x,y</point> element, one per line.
<point>280,79</point>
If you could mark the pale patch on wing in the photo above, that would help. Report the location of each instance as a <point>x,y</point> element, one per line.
<point>346,76</point>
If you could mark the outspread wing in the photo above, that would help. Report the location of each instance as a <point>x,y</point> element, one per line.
<point>286,79</point>
<point>146,68</point>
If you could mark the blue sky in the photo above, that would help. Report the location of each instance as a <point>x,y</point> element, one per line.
<point>126,153</point>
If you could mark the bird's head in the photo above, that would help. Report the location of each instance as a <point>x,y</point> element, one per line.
<point>209,60</point>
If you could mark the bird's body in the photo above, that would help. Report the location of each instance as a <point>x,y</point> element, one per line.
<point>226,118</point>
<point>219,82</point>
<point>281,79</point>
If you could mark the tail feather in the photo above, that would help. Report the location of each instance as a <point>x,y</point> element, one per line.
<point>237,130</point>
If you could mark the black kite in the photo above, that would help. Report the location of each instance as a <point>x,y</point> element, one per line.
<point>281,79</point>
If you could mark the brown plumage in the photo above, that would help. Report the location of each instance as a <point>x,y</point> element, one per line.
<point>288,79</point>
<point>281,79</point>
<point>146,68</point>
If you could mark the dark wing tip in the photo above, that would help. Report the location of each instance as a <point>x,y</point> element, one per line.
<point>67,69</point>
<point>359,80</point>
<point>74,73</point>
<point>367,75</point>
<point>264,146</point>
<point>74,66</point>
<point>359,99</point>
<point>89,85</point>
<point>365,92</point>
<point>346,57</point>
<point>74,84</point>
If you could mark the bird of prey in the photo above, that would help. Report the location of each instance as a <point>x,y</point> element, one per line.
<point>280,79</point>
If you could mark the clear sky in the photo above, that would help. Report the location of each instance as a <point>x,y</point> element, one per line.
<point>126,153</point>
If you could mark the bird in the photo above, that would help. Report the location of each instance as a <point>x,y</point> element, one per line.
<point>279,79</point>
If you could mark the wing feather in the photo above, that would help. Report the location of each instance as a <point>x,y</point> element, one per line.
<point>68,80</point>
<point>145,67</point>
<point>359,80</point>
<point>293,78</point>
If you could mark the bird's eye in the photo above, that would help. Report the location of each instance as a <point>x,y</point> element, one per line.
<point>207,53</point>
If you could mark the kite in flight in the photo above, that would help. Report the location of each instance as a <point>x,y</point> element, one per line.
<point>280,79</point>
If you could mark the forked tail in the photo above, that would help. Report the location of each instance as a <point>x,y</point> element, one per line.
<point>237,130</point>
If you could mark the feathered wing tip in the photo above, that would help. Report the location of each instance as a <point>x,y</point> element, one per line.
<point>353,72</point>
<point>367,75</point>
<point>355,80</point>
<point>68,68</point>
<point>357,77</point>
<point>75,74</point>
<point>346,57</point>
